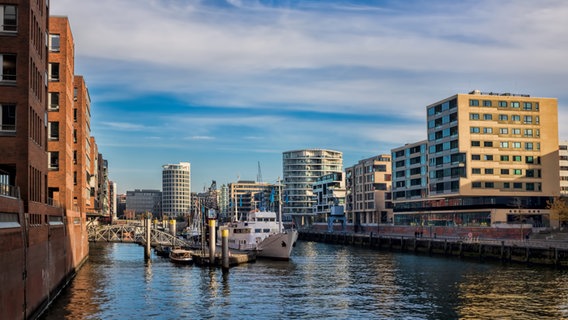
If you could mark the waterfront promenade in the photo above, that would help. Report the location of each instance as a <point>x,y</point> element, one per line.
<point>536,251</point>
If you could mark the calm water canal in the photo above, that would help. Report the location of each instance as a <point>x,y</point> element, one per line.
<point>320,282</point>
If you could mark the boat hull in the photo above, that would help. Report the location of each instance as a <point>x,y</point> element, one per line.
<point>278,246</point>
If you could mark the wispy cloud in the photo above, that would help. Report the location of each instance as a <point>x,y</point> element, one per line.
<point>277,75</point>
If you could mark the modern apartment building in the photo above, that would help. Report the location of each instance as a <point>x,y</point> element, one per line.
<point>493,158</point>
<point>301,168</point>
<point>143,200</point>
<point>176,189</point>
<point>329,191</point>
<point>410,172</point>
<point>368,199</point>
<point>563,156</point>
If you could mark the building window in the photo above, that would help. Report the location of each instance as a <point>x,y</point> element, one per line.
<point>503,117</point>
<point>504,144</point>
<point>474,116</point>
<point>516,117</point>
<point>488,171</point>
<point>489,185</point>
<point>504,158</point>
<point>505,171</point>
<point>8,18</point>
<point>53,130</point>
<point>527,119</point>
<point>503,131</point>
<point>53,71</point>
<point>516,145</point>
<point>487,103</point>
<point>528,145</point>
<point>529,186</point>
<point>53,157</point>
<point>475,170</point>
<point>475,157</point>
<point>502,104</point>
<point>474,129</point>
<point>53,102</point>
<point>474,103</point>
<point>517,185</point>
<point>529,159</point>
<point>527,106</point>
<point>488,157</point>
<point>515,104</point>
<point>476,185</point>
<point>528,133</point>
<point>517,158</point>
<point>8,71</point>
<point>516,131</point>
<point>487,130</point>
<point>529,173</point>
<point>487,117</point>
<point>506,185</point>
<point>54,45</point>
<point>475,143</point>
<point>7,118</point>
<point>488,144</point>
<point>517,172</point>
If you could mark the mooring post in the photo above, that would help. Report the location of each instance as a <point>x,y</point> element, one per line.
<point>225,248</point>
<point>172,227</point>
<point>212,242</point>
<point>148,248</point>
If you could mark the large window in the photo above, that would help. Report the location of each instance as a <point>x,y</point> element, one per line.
<point>8,71</point>
<point>53,102</point>
<point>53,160</point>
<point>54,45</point>
<point>53,130</point>
<point>7,118</point>
<point>8,18</point>
<point>54,72</point>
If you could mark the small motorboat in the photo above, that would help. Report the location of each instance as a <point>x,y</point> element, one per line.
<point>181,256</point>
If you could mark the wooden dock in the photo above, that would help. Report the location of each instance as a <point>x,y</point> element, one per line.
<point>202,258</point>
<point>544,253</point>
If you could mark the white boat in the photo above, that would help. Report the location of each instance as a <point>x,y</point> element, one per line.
<point>261,232</point>
<point>181,256</point>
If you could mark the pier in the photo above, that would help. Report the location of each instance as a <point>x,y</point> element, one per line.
<point>535,252</point>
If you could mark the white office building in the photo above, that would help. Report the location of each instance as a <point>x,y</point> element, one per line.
<point>176,189</point>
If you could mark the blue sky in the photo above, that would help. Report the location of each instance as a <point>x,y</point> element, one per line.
<point>228,84</point>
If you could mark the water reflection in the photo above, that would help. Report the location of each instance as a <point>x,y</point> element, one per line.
<point>321,281</point>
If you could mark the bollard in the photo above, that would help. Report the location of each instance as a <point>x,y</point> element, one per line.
<point>173,227</point>
<point>212,242</point>
<point>148,251</point>
<point>225,248</point>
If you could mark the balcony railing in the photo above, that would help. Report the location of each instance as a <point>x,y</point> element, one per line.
<point>9,191</point>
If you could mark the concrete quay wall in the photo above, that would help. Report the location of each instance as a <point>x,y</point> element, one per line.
<point>528,252</point>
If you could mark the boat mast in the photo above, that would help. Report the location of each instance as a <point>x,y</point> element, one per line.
<point>279,206</point>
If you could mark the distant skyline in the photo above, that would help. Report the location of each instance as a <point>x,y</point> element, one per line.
<point>225,85</point>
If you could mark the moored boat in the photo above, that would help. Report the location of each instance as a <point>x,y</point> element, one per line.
<point>261,232</point>
<point>181,256</point>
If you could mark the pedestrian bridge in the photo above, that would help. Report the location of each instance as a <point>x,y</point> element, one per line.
<point>135,234</point>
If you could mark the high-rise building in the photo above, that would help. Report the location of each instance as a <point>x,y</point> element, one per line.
<point>176,189</point>
<point>563,156</point>
<point>368,199</point>
<point>493,158</point>
<point>301,168</point>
